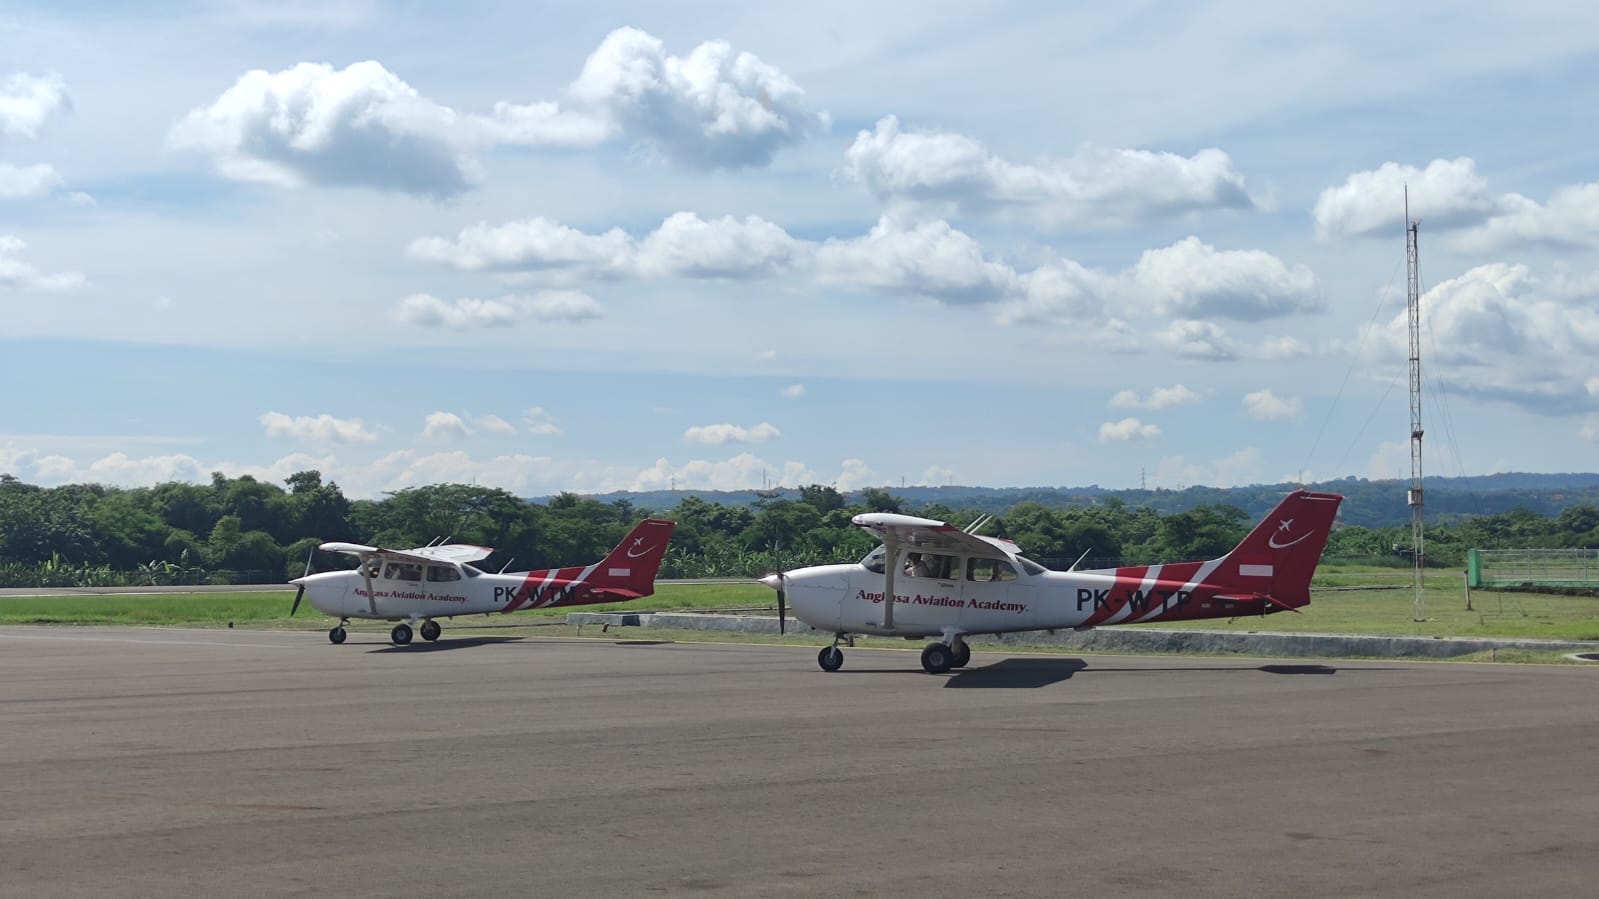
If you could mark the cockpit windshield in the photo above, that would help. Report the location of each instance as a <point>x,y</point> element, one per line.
<point>874,560</point>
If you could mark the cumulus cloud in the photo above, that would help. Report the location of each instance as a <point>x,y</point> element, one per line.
<point>1159,398</point>
<point>402,469</point>
<point>715,108</point>
<point>537,421</point>
<point>444,426</point>
<point>1197,340</point>
<point>1500,333</point>
<point>1569,220</point>
<point>953,174</point>
<point>1126,431</point>
<point>494,425</point>
<point>360,126</point>
<point>929,259</point>
<point>1264,405</point>
<point>26,101</point>
<point>1448,193</point>
<point>1241,467</point>
<point>551,305</point>
<point>22,181</point>
<point>322,428</point>
<point>16,273</point>
<point>684,246</point>
<point>719,434</point>
<point>1281,349</point>
<point>794,391</point>
<point>1194,279</point>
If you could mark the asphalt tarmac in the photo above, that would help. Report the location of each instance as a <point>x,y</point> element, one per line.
<point>161,762</point>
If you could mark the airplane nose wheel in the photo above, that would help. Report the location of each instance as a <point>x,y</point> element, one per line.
<point>431,630</point>
<point>401,634</point>
<point>831,658</point>
<point>937,658</point>
<point>337,635</point>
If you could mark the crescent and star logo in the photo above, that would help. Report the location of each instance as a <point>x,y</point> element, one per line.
<point>1283,527</point>
<point>633,552</point>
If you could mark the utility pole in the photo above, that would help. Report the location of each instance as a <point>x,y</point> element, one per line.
<point>1413,301</point>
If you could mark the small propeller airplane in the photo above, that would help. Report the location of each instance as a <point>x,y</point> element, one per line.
<point>932,579</point>
<point>432,582</point>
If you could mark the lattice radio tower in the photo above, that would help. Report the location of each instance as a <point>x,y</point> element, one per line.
<point>1413,300</point>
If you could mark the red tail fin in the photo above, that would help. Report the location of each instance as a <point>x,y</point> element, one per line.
<point>1279,556</point>
<point>631,567</point>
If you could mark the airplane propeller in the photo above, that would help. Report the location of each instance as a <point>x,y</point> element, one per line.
<point>300,594</point>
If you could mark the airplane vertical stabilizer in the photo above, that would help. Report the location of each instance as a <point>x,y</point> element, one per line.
<point>1279,556</point>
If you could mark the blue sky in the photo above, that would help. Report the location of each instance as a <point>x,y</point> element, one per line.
<point>711,246</point>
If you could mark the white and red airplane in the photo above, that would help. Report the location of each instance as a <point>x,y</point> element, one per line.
<point>432,582</point>
<point>931,579</point>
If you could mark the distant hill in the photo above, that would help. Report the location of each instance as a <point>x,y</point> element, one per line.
<point>1368,503</point>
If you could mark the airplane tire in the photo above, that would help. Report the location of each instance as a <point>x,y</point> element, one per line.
<point>337,635</point>
<point>431,630</point>
<point>937,658</point>
<point>831,658</point>
<point>963,655</point>
<point>401,634</point>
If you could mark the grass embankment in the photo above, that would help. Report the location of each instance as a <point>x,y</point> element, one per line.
<point>1335,608</point>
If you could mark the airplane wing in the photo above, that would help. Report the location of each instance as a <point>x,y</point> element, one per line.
<point>927,534</point>
<point>448,552</point>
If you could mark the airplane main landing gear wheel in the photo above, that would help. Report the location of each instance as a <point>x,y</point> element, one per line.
<point>401,634</point>
<point>431,630</point>
<point>337,635</point>
<point>937,658</point>
<point>963,654</point>
<point>831,658</point>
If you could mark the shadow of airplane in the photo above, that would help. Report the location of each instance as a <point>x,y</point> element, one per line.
<point>447,644</point>
<point>1012,674</point>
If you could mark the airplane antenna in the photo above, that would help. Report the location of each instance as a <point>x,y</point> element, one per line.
<point>1413,302</point>
<point>1080,559</point>
<point>506,565</point>
<point>982,519</point>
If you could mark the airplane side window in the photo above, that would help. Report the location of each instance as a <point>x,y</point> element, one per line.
<point>392,571</point>
<point>438,573</point>
<point>932,565</point>
<point>409,572</point>
<point>989,570</point>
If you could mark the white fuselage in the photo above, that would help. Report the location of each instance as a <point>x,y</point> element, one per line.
<point>849,599</point>
<point>344,594</point>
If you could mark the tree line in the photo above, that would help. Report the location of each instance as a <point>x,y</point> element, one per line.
<point>242,530</point>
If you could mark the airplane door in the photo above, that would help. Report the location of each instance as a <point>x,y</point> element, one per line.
<point>996,597</point>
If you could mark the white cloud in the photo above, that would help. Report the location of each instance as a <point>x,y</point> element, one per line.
<point>1264,405</point>
<point>956,175</point>
<point>1193,279</point>
<point>935,476</point>
<point>1240,468</point>
<point>445,426</point>
<point>18,274</point>
<point>1569,220</point>
<point>853,475</point>
<point>719,434</point>
<point>554,305</point>
<point>794,391</point>
<point>684,246</point>
<point>1499,333</point>
<point>494,425</point>
<point>323,428</point>
<point>1197,340</point>
<point>929,259</point>
<point>360,126</point>
<point>1281,349</point>
<point>741,472</point>
<point>1589,430</point>
<point>26,101</point>
<point>1159,398</point>
<point>711,109</point>
<point>1448,193</point>
<point>539,422</point>
<point>517,473</point>
<point>1126,431</point>
<point>19,182</point>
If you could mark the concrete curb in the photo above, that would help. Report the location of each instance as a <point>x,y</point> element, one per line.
<point>1129,639</point>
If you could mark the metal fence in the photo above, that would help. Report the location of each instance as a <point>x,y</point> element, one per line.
<point>1532,568</point>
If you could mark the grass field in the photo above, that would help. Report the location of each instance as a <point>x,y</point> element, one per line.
<point>1340,608</point>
